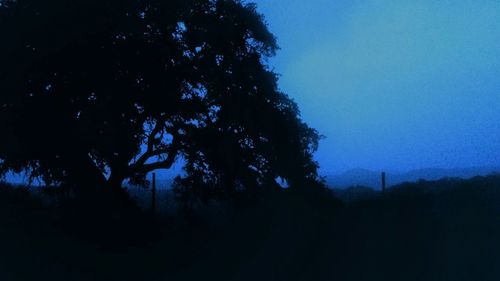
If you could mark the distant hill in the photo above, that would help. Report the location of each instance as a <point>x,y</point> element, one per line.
<point>369,178</point>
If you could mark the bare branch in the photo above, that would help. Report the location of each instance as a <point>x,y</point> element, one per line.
<point>171,151</point>
<point>159,126</point>
<point>165,164</point>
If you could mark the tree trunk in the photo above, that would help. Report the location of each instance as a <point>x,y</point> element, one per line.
<point>115,181</point>
<point>83,173</point>
<point>115,185</point>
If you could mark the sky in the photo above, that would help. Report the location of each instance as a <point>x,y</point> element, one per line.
<point>393,84</point>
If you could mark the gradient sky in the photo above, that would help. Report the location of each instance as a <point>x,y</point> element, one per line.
<point>393,84</point>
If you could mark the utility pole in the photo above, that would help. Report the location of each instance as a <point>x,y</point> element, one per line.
<point>153,195</point>
<point>383,182</point>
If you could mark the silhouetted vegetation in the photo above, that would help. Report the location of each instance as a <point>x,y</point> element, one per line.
<point>93,93</point>
<point>442,230</point>
<point>96,92</point>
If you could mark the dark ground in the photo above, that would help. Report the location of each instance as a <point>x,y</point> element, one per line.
<point>445,230</point>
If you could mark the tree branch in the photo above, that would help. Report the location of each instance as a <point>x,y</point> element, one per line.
<point>165,164</point>
<point>171,150</point>
<point>159,126</point>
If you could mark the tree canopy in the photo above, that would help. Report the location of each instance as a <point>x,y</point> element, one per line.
<point>97,92</point>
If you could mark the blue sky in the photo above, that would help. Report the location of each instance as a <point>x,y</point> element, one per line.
<point>393,84</point>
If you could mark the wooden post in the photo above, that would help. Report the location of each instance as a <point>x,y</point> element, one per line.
<point>153,196</point>
<point>383,182</point>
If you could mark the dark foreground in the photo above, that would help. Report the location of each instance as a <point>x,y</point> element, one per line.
<point>447,230</point>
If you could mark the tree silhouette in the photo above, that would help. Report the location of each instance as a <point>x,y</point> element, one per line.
<point>94,92</point>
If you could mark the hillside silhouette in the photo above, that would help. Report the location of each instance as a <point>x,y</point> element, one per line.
<point>370,178</point>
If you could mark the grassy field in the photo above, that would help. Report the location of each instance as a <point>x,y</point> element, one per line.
<point>445,230</point>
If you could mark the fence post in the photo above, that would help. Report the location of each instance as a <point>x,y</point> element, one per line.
<point>153,195</point>
<point>383,182</point>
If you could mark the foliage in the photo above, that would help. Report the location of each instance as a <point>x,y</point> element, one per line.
<point>96,92</point>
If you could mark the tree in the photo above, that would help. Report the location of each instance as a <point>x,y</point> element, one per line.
<point>95,92</point>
